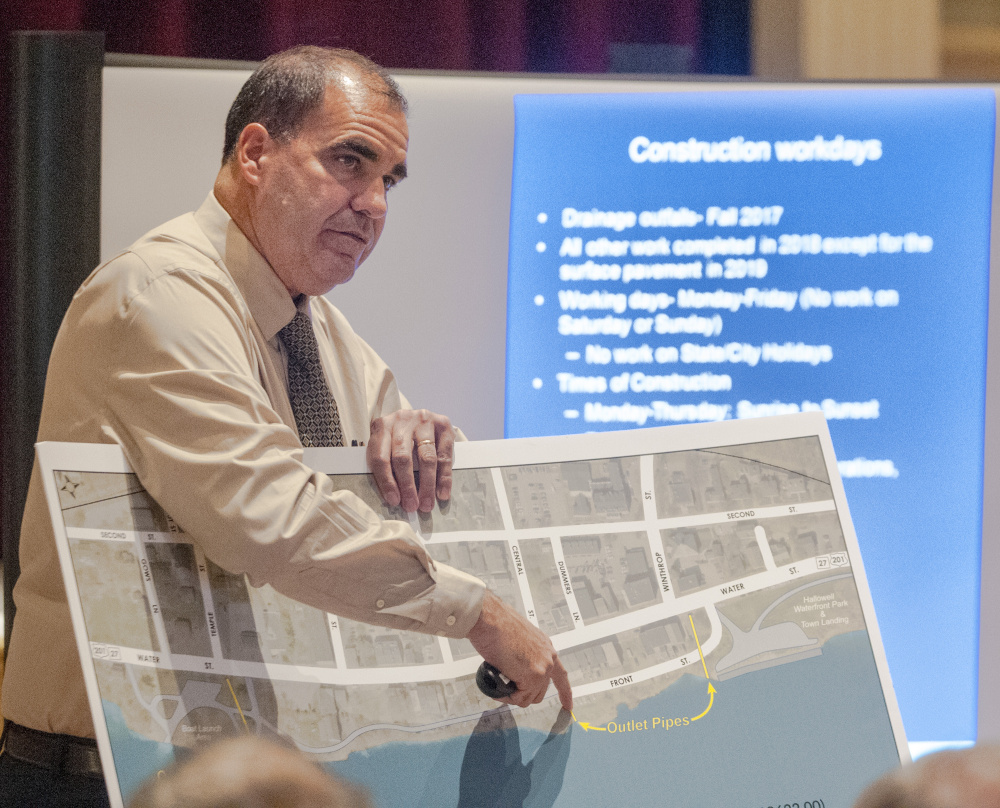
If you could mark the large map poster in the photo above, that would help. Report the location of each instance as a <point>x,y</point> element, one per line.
<point>702,584</point>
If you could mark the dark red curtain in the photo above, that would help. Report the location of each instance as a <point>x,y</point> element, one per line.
<point>501,35</point>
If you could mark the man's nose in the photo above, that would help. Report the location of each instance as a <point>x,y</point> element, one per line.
<point>371,199</point>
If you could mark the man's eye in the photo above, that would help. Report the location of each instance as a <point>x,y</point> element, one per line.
<point>349,160</point>
<point>390,182</point>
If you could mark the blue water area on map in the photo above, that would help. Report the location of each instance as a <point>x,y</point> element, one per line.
<point>813,729</point>
<point>136,758</point>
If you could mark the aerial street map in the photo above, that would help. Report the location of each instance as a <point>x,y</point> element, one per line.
<point>702,584</point>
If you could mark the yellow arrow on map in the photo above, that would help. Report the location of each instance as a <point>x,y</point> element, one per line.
<point>236,701</point>
<point>704,667</point>
<point>586,725</point>
<point>711,700</point>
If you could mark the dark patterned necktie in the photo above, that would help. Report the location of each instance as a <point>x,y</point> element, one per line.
<point>315,410</point>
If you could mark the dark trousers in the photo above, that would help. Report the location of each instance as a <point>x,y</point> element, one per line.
<point>27,785</point>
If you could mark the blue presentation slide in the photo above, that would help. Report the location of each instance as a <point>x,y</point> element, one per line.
<point>701,256</point>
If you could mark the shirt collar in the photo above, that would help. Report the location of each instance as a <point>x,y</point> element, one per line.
<point>271,307</point>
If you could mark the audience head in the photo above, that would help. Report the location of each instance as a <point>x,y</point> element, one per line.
<point>959,778</point>
<point>247,773</point>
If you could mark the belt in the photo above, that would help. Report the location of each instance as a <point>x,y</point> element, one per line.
<point>65,754</point>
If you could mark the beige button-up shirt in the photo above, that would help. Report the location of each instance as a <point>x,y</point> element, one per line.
<point>171,350</point>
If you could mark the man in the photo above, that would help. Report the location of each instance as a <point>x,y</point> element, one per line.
<point>198,349</point>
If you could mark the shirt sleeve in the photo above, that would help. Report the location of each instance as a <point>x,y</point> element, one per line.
<point>185,402</point>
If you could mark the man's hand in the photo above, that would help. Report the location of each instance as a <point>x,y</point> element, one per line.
<point>522,652</point>
<point>399,437</point>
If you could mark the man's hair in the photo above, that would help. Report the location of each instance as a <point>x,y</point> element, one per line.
<point>289,85</point>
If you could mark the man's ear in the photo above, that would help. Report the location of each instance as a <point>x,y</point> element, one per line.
<point>251,148</point>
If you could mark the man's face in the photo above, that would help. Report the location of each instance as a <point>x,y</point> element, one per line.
<point>320,204</point>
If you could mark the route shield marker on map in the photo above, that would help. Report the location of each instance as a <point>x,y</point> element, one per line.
<point>702,583</point>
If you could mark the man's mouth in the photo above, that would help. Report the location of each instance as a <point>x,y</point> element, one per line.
<point>361,237</point>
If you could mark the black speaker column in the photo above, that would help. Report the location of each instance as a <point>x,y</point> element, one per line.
<point>54,212</point>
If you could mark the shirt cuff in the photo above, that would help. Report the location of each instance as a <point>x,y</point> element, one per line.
<point>453,604</point>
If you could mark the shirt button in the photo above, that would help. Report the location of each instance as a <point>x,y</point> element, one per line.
<point>379,603</point>
<point>451,620</point>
